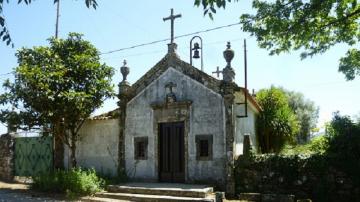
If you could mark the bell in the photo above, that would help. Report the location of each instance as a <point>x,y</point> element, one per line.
<point>196,51</point>
<point>196,54</point>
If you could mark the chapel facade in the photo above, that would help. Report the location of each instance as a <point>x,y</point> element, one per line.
<point>175,124</point>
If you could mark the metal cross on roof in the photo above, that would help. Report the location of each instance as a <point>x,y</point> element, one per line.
<point>218,72</point>
<point>172,17</point>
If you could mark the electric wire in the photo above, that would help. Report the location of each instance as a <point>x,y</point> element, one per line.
<point>158,41</point>
<point>176,37</point>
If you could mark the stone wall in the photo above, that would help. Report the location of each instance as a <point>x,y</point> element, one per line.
<point>244,126</point>
<point>305,177</point>
<point>6,157</point>
<point>98,146</point>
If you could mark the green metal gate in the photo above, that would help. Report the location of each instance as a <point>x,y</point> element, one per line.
<point>33,155</point>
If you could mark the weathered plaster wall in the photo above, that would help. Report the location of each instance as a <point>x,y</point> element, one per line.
<point>244,126</point>
<point>98,146</point>
<point>6,157</point>
<point>206,117</point>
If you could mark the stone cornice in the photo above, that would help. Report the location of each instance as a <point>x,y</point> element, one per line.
<point>164,105</point>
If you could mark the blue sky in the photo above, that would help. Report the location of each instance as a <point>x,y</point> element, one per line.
<point>119,24</point>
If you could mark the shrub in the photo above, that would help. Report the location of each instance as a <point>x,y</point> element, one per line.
<point>276,123</point>
<point>109,178</point>
<point>326,169</point>
<point>317,145</point>
<point>75,181</point>
<point>344,145</point>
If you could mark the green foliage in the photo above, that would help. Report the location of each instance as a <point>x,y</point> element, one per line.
<point>306,113</point>
<point>210,5</point>
<point>317,145</point>
<point>74,182</point>
<point>326,169</point>
<point>57,86</point>
<point>350,64</point>
<point>276,123</point>
<point>344,144</point>
<point>121,177</point>
<point>4,31</point>
<point>313,26</point>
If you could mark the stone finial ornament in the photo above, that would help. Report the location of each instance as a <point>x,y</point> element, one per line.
<point>228,71</point>
<point>124,85</point>
<point>228,54</point>
<point>125,70</point>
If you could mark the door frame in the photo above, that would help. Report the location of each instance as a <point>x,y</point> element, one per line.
<point>160,142</point>
<point>171,112</point>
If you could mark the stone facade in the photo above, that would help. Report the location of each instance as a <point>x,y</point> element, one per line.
<point>172,92</point>
<point>202,114</point>
<point>7,157</point>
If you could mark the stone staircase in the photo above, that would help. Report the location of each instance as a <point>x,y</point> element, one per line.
<point>257,197</point>
<point>156,192</point>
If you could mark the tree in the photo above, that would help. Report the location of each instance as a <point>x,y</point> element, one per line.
<point>276,123</point>
<point>4,31</point>
<point>343,135</point>
<point>313,26</point>
<point>306,112</point>
<point>56,88</point>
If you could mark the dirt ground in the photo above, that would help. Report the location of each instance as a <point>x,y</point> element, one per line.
<point>17,191</point>
<point>14,186</point>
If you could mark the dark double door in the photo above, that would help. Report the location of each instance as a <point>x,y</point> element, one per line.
<point>171,152</point>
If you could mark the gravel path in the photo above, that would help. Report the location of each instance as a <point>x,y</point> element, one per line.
<point>11,195</point>
<point>20,192</point>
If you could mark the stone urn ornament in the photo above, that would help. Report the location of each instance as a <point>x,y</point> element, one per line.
<point>124,85</point>
<point>125,70</point>
<point>228,71</point>
<point>228,54</point>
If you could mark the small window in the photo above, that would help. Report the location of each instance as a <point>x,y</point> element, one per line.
<point>204,148</point>
<point>140,146</point>
<point>204,144</point>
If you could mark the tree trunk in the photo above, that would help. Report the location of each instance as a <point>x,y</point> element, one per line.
<point>73,151</point>
<point>58,146</point>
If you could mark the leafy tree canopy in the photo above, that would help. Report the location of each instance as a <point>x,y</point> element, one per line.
<point>312,26</point>
<point>4,31</point>
<point>277,123</point>
<point>306,113</point>
<point>58,86</point>
<point>343,135</point>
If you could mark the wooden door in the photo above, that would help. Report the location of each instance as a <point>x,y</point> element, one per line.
<point>171,152</point>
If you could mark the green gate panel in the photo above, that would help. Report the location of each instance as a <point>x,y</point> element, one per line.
<point>33,155</point>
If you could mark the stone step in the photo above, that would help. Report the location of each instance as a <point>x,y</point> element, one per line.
<point>258,197</point>
<point>149,198</point>
<point>99,199</point>
<point>181,190</point>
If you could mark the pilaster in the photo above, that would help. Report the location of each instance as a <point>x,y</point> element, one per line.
<point>227,88</point>
<point>124,96</point>
<point>228,94</point>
